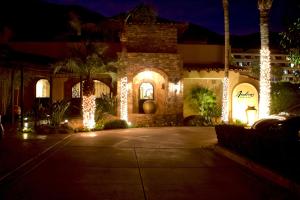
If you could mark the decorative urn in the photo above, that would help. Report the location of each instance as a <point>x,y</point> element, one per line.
<point>149,107</point>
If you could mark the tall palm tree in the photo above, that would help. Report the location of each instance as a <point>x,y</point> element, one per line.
<point>87,59</point>
<point>225,100</point>
<point>264,7</point>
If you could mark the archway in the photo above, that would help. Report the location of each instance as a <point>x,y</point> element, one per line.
<point>244,96</point>
<point>148,85</point>
<point>100,89</point>
<point>42,89</point>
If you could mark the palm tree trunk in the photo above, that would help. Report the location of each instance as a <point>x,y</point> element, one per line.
<point>88,103</point>
<point>225,100</point>
<point>265,67</point>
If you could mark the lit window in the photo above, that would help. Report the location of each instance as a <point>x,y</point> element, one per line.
<point>146,91</point>
<point>100,89</point>
<point>42,89</point>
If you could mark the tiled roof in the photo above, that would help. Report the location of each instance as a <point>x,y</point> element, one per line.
<point>210,67</point>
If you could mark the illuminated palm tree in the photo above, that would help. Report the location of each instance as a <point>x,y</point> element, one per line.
<point>264,7</point>
<point>225,101</point>
<point>87,60</point>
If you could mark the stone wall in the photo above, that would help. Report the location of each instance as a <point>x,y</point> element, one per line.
<point>159,38</point>
<point>154,120</point>
<point>169,66</point>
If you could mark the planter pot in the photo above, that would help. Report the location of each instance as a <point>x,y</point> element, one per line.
<point>149,107</point>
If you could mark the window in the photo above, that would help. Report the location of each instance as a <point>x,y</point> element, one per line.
<point>146,91</point>
<point>42,89</point>
<point>100,89</point>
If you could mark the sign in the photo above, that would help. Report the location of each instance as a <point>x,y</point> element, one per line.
<point>247,94</point>
<point>243,96</point>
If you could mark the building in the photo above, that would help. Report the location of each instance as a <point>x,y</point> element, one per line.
<point>153,66</point>
<point>282,69</point>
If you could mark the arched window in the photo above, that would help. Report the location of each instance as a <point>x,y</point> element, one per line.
<point>146,91</point>
<point>100,89</point>
<point>42,89</point>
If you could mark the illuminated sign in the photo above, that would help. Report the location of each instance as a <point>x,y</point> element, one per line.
<point>243,96</point>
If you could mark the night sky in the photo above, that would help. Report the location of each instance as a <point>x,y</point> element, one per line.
<point>244,16</point>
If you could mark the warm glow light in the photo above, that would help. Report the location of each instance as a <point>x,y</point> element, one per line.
<point>251,115</point>
<point>91,134</point>
<point>88,109</point>
<point>25,136</point>
<point>42,88</point>
<point>25,128</point>
<point>225,102</point>
<point>174,87</point>
<point>123,99</point>
<point>244,95</point>
<point>146,74</point>
<point>265,85</point>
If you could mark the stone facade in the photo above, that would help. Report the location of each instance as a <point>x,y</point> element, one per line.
<point>150,38</point>
<point>156,62</point>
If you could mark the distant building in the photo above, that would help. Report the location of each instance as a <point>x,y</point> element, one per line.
<point>282,69</point>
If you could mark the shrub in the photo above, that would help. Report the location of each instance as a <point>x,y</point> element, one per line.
<point>58,110</point>
<point>204,102</point>
<point>194,120</point>
<point>105,105</point>
<point>267,146</point>
<point>115,124</point>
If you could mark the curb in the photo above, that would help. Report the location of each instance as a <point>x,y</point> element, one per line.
<point>260,170</point>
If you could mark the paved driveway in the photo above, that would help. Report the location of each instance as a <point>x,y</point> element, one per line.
<point>144,163</point>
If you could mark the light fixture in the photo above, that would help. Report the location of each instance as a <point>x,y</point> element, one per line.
<point>123,99</point>
<point>88,109</point>
<point>265,84</point>
<point>251,114</point>
<point>225,111</point>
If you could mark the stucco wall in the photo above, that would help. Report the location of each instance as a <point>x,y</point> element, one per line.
<point>201,53</point>
<point>58,89</point>
<point>213,80</point>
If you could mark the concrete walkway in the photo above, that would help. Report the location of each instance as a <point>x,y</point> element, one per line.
<point>145,163</point>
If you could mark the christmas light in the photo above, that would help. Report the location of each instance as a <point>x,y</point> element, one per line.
<point>225,107</point>
<point>123,99</point>
<point>88,109</point>
<point>265,85</point>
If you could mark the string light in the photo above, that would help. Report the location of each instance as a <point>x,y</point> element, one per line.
<point>265,85</point>
<point>123,99</point>
<point>88,109</point>
<point>225,111</point>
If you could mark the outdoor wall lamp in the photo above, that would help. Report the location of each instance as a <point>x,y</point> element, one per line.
<point>251,114</point>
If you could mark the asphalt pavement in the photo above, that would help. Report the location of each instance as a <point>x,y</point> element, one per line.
<point>140,163</point>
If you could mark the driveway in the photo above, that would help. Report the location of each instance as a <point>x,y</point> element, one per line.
<point>142,163</point>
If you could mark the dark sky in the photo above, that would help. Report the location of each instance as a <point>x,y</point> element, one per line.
<point>244,16</point>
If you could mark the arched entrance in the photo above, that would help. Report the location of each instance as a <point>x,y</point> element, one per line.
<point>148,85</point>
<point>244,96</point>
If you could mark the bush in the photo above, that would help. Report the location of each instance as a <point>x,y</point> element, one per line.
<point>204,102</point>
<point>58,110</point>
<point>115,124</point>
<point>267,146</point>
<point>194,120</point>
<point>105,105</point>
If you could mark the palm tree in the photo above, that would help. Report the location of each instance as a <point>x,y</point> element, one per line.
<point>225,101</point>
<point>264,7</point>
<point>87,59</point>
